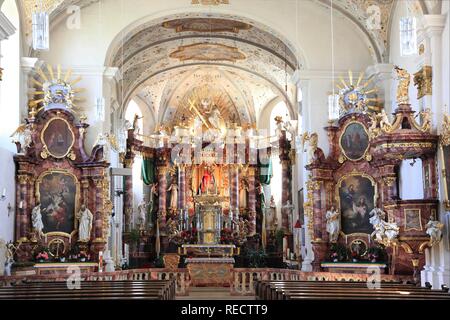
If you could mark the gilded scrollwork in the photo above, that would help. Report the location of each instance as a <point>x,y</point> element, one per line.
<point>308,206</point>
<point>423,80</point>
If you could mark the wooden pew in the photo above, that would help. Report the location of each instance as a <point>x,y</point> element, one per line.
<point>307,290</point>
<point>97,290</point>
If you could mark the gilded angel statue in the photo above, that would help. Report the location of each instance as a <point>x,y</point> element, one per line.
<point>403,86</point>
<point>23,136</point>
<point>425,117</point>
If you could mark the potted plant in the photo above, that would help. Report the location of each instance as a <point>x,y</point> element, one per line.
<point>376,254</point>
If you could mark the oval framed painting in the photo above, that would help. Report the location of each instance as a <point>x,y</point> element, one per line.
<point>58,138</point>
<point>354,141</point>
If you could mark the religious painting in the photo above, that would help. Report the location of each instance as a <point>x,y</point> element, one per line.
<point>58,138</point>
<point>356,196</point>
<point>57,192</point>
<point>413,220</point>
<point>354,141</point>
<point>445,154</point>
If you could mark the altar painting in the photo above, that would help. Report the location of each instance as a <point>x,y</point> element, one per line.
<point>57,193</point>
<point>354,141</point>
<point>446,174</point>
<point>356,196</point>
<point>58,138</point>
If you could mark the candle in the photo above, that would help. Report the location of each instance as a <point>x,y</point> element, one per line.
<point>4,193</point>
<point>21,204</point>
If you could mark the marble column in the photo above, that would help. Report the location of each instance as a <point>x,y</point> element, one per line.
<point>182,194</point>
<point>234,192</point>
<point>162,190</point>
<point>23,223</point>
<point>128,196</point>
<point>251,200</point>
<point>285,195</point>
<point>433,26</point>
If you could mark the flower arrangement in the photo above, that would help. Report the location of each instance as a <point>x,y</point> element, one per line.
<point>339,252</point>
<point>376,254</point>
<point>185,237</point>
<point>42,256</point>
<point>226,236</point>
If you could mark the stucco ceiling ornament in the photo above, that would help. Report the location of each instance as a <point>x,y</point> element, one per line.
<point>210,2</point>
<point>206,25</point>
<point>208,52</point>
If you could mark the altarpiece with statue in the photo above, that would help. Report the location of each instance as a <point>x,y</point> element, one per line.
<point>355,213</point>
<point>62,191</point>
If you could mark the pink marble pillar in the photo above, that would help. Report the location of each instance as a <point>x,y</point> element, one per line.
<point>285,195</point>
<point>162,185</point>
<point>234,191</point>
<point>182,187</point>
<point>251,201</point>
<point>23,223</point>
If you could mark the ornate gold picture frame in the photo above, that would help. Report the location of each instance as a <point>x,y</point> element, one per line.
<point>58,192</point>
<point>413,219</point>
<point>57,139</point>
<point>356,195</point>
<point>354,142</point>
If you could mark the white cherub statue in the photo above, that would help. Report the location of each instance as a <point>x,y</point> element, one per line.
<point>434,230</point>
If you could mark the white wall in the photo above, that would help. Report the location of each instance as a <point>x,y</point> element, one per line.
<point>409,63</point>
<point>9,120</point>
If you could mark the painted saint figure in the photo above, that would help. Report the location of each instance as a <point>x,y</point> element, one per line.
<point>85,219</point>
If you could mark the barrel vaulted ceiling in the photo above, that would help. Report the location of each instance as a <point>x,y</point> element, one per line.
<point>162,61</point>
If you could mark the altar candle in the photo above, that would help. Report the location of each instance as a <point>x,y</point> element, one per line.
<point>21,204</point>
<point>4,193</point>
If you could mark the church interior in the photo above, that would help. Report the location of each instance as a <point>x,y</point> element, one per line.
<point>240,149</point>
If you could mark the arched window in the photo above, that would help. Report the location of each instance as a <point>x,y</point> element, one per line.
<point>133,110</point>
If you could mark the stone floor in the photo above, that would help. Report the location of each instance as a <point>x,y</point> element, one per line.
<point>212,294</point>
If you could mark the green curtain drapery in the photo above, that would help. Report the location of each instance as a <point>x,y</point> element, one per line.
<point>266,172</point>
<point>148,171</point>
